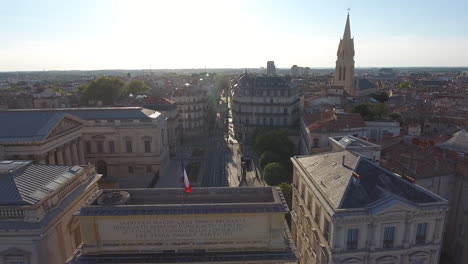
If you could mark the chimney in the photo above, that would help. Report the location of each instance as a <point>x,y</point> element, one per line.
<point>342,161</point>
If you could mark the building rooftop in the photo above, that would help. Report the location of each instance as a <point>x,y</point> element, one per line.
<point>350,142</point>
<point>263,82</point>
<point>349,181</point>
<point>37,124</point>
<point>95,113</point>
<point>331,121</point>
<point>174,201</point>
<point>23,183</point>
<point>458,142</point>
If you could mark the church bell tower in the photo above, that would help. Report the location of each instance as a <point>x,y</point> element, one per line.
<point>344,71</point>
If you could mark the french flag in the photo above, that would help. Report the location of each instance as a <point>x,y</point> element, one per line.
<point>188,188</point>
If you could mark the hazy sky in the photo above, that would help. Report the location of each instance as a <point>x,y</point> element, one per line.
<point>110,34</point>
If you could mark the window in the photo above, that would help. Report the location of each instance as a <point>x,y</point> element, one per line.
<point>317,214</point>
<point>128,145</point>
<point>147,146</point>
<point>316,143</point>
<point>285,121</point>
<point>389,237</point>
<point>309,203</point>
<point>326,228</point>
<point>351,241</point>
<point>285,110</point>
<point>15,259</point>
<point>149,168</point>
<point>111,147</point>
<point>130,169</point>
<point>100,147</point>
<point>271,121</point>
<point>421,233</point>
<point>88,147</point>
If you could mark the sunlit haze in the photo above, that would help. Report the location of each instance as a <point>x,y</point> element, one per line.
<point>65,35</point>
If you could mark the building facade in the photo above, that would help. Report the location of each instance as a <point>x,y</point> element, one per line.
<point>348,210</point>
<point>210,225</point>
<point>192,103</point>
<point>317,128</point>
<point>37,206</point>
<point>271,69</point>
<point>263,101</point>
<point>128,145</point>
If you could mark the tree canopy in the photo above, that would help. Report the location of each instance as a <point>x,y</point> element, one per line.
<point>381,97</point>
<point>404,85</point>
<point>136,87</point>
<point>274,140</point>
<point>268,157</point>
<point>274,174</point>
<point>106,89</point>
<point>371,112</point>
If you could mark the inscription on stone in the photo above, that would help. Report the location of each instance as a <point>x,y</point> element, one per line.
<point>180,229</point>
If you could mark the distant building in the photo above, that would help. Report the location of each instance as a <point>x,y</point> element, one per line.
<point>174,126</point>
<point>271,70</point>
<point>348,210</point>
<point>263,101</point>
<point>317,128</point>
<point>344,70</point>
<point>294,71</point>
<point>380,130</point>
<point>192,103</point>
<point>37,207</point>
<point>356,145</point>
<point>128,145</point>
<point>211,225</point>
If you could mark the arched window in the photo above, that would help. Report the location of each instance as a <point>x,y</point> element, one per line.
<point>101,168</point>
<point>316,143</point>
<point>344,73</point>
<point>339,76</point>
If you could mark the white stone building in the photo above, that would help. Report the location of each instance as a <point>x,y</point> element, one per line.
<point>263,101</point>
<point>348,210</point>
<point>128,145</point>
<point>192,103</point>
<point>37,203</point>
<point>317,128</point>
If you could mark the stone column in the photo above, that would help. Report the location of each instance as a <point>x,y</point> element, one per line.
<point>51,157</point>
<point>81,151</point>
<point>59,156</point>
<point>40,159</point>
<point>67,154</point>
<point>74,151</point>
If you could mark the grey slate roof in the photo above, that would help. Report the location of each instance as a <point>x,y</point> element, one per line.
<point>458,142</point>
<point>363,83</point>
<point>36,124</point>
<point>336,182</point>
<point>28,183</point>
<point>27,126</point>
<point>50,215</point>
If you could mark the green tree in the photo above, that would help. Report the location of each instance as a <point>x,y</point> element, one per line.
<point>404,85</point>
<point>395,116</point>
<point>286,189</point>
<point>364,110</point>
<point>136,87</point>
<point>274,174</point>
<point>381,97</point>
<point>268,157</point>
<point>106,89</point>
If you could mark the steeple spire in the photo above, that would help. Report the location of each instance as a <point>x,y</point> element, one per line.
<point>347,30</point>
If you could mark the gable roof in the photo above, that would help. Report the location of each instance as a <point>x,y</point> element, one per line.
<point>28,125</point>
<point>331,121</point>
<point>458,142</point>
<point>350,181</point>
<point>23,183</point>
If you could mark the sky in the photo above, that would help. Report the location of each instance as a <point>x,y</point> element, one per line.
<point>142,34</point>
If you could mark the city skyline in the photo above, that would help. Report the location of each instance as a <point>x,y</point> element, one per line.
<point>91,35</point>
